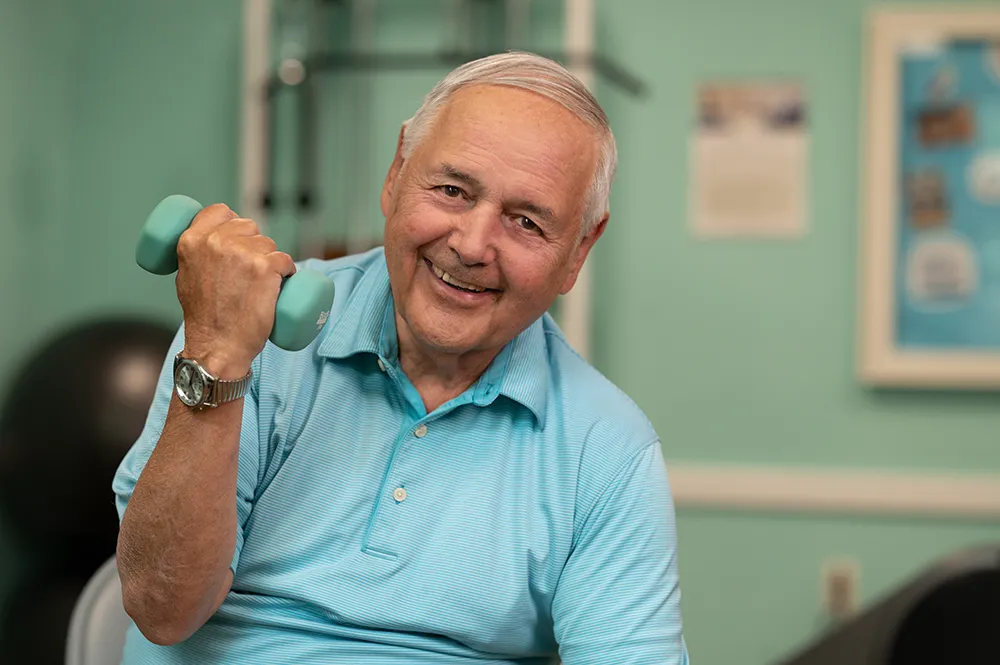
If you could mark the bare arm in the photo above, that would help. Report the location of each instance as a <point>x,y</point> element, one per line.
<point>178,532</point>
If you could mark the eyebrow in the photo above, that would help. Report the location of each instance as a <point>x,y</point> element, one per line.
<point>454,173</point>
<point>527,206</point>
<point>535,210</point>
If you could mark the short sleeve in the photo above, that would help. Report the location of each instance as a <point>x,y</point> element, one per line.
<point>618,598</point>
<point>135,459</point>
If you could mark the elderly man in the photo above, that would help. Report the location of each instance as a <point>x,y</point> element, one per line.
<point>438,478</point>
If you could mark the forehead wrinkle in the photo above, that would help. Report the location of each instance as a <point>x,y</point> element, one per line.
<point>476,127</point>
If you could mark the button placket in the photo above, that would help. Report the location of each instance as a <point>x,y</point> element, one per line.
<point>390,505</point>
<point>399,494</point>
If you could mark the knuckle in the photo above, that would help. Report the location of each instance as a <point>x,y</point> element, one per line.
<point>221,210</point>
<point>214,212</point>
<point>215,242</point>
<point>282,260</point>
<point>186,243</point>
<point>261,266</point>
<point>246,225</point>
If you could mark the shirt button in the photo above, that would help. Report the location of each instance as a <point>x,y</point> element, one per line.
<point>381,365</point>
<point>399,494</point>
<point>420,431</point>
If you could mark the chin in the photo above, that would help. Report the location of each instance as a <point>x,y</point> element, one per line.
<point>446,341</point>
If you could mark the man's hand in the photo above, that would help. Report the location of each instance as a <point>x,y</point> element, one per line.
<point>228,281</point>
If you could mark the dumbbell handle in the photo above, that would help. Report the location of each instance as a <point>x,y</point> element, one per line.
<point>304,301</point>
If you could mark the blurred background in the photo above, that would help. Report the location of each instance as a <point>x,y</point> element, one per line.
<point>741,350</point>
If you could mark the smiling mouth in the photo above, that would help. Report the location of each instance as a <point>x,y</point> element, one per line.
<point>454,282</point>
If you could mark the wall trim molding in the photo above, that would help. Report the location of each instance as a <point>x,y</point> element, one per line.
<point>871,492</point>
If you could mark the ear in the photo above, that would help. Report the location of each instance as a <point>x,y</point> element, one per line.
<point>389,186</point>
<point>582,250</point>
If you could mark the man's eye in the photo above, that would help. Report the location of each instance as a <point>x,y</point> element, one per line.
<point>451,191</point>
<point>528,225</point>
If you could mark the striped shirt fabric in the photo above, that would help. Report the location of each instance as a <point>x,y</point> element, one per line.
<point>528,520</point>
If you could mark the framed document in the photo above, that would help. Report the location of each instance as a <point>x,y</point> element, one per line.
<point>930,229</point>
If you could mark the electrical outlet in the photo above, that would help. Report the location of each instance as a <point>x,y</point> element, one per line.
<point>840,587</point>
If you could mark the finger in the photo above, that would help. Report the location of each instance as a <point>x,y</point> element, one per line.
<point>240,226</point>
<point>258,244</point>
<point>282,263</point>
<point>223,235</point>
<point>212,216</point>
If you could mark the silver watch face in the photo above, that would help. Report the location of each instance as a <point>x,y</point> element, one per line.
<point>189,383</point>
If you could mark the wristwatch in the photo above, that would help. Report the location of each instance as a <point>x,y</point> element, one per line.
<point>198,389</point>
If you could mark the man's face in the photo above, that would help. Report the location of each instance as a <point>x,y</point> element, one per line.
<point>483,221</point>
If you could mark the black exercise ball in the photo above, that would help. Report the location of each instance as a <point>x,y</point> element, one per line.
<point>37,617</point>
<point>70,414</point>
<point>958,622</point>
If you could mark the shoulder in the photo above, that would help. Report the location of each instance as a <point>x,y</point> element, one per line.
<point>581,390</point>
<point>604,429</point>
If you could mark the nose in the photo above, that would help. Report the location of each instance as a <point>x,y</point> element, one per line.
<point>474,236</point>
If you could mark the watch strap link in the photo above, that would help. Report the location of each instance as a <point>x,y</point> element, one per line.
<point>227,391</point>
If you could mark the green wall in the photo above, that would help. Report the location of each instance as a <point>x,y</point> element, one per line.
<point>12,22</point>
<point>35,178</point>
<point>743,352</point>
<point>740,352</point>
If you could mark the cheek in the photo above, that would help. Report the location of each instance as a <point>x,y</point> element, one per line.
<point>417,222</point>
<point>533,277</point>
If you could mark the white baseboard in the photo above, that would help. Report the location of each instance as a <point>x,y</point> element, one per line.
<point>843,491</point>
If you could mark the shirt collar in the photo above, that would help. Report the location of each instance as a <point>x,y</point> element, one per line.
<point>526,376</point>
<point>357,327</point>
<point>367,325</point>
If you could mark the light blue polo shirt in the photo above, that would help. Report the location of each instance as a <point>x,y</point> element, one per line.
<point>525,521</point>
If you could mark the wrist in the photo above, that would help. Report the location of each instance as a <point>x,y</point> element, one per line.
<point>220,363</point>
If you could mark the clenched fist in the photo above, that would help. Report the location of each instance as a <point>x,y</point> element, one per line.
<point>228,280</point>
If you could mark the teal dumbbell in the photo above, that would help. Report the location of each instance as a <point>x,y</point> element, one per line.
<point>304,301</point>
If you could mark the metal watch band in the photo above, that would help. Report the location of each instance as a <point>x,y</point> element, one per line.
<point>227,391</point>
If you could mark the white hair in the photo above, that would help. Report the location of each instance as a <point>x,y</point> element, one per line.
<point>544,77</point>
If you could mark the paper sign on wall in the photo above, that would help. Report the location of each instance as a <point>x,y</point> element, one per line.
<point>749,160</point>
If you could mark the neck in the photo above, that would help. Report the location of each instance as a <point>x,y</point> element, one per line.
<point>438,376</point>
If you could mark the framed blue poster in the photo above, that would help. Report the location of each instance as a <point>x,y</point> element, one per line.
<point>930,237</point>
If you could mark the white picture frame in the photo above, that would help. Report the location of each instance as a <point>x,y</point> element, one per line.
<point>881,360</point>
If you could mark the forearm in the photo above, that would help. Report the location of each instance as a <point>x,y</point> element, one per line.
<point>178,532</point>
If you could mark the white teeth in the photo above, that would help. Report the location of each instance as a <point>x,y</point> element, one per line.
<point>451,280</point>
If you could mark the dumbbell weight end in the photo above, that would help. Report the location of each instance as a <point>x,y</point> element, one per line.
<point>156,251</point>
